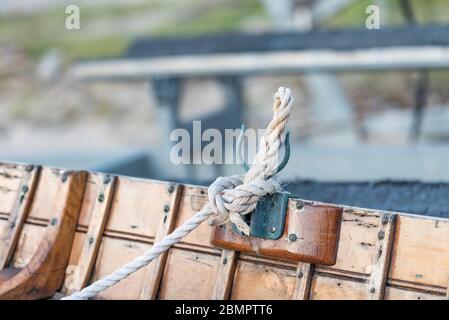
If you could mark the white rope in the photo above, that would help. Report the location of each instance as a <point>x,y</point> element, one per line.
<point>230,198</point>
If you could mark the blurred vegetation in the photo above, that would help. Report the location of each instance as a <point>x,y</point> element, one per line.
<point>43,30</point>
<point>106,30</point>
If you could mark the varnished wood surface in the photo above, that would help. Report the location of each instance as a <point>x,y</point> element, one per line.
<point>417,266</point>
<point>315,227</point>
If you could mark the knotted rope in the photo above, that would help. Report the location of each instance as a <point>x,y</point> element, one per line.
<point>230,198</point>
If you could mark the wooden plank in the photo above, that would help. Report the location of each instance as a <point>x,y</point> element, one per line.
<point>45,194</point>
<point>304,276</point>
<point>83,268</point>
<point>188,275</point>
<point>393,293</point>
<point>358,238</point>
<point>421,251</point>
<point>225,276</point>
<point>44,273</point>
<point>381,264</point>
<point>193,200</point>
<point>112,255</point>
<point>166,224</point>
<point>137,207</point>
<point>262,282</point>
<point>18,214</point>
<point>328,288</point>
<point>404,58</point>
<point>11,176</point>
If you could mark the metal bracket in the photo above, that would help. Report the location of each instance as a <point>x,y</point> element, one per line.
<point>268,219</point>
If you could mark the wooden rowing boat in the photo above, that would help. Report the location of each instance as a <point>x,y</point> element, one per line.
<point>62,230</point>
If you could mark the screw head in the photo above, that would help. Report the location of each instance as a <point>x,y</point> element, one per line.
<point>300,275</point>
<point>64,177</point>
<point>91,240</point>
<point>225,261</point>
<point>381,235</point>
<point>292,237</point>
<point>171,188</point>
<point>106,179</point>
<point>273,229</point>
<point>53,221</point>
<point>101,198</point>
<point>25,189</point>
<point>29,168</point>
<point>384,219</point>
<point>166,208</point>
<point>299,205</point>
<point>372,290</point>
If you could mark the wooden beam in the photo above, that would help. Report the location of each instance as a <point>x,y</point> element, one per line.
<point>166,225</point>
<point>99,216</point>
<point>282,62</point>
<point>44,274</point>
<point>304,276</point>
<point>381,265</point>
<point>225,275</point>
<point>18,215</point>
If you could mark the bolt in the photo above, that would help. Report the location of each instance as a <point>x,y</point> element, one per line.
<point>273,229</point>
<point>64,177</point>
<point>29,168</point>
<point>300,275</point>
<point>25,189</point>
<point>54,221</point>
<point>225,260</point>
<point>372,290</point>
<point>106,179</point>
<point>13,224</point>
<point>384,219</point>
<point>381,234</point>
<point>299,205</point>
<point>292,237</point>
<point>91,240</point>
<point>101,198</point>
<point>166,208</point>
<point>171,188</point>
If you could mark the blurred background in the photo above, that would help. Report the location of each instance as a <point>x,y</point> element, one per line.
<point>59,107</point>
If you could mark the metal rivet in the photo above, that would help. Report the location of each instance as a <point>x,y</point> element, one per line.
<point>299,205</point>
<point>372,290</point>
<point>106,179</point>
<point>273,229</point>
<point>292,237</point>
<point>25,189</point>
<point>171,188</point>
<point>385,219</point>
<point>91,240</point>
<point>13,224</point>
<point>300,274</point>
<point>29,168</point>
<point>54,221</point>
<point>166,208</point>
<point>381,234</point>
<point>101,198</point>
<point>225,260</point>
<point>64,177</point>
<point>202,192</point>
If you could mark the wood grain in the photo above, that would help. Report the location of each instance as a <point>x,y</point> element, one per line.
<point>44,274</point>
<point>80,273</point>
<point>381,264</point>
<point>18,214</point>
<point>166,224</point>
<point>304,276</point>
<point>316,228</point>
<point>225,276</point>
